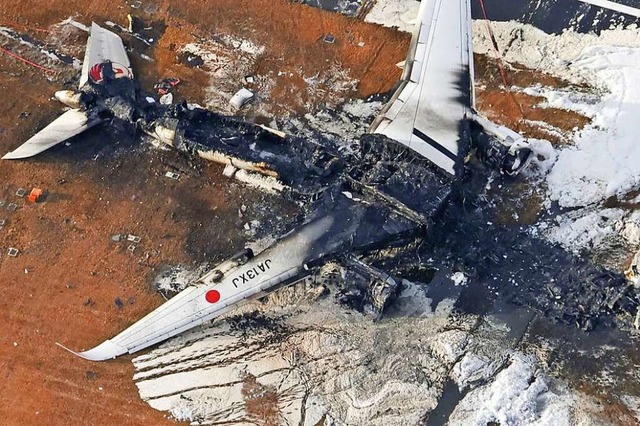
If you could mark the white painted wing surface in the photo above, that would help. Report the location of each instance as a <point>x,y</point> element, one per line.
<point>633,11</point>
<point>62,128</point>
<point>200,304</point>
<point>435,95</point>
<point>103,46</point>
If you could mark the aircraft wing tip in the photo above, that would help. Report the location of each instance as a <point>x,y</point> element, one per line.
<point>104,351</point>
<point>14,156</point>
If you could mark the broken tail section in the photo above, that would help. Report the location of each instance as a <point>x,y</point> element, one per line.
<point>104,47</point>
<point>105,64</point>
<point>428,112</point>
<point>432,112</point>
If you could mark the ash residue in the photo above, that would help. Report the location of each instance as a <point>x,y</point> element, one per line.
<point>505,262</point>
<point>173,279</point>
<point>251,323</point>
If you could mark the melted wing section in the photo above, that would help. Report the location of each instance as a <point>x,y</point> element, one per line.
<point>428,111</point>
<point>62,128</point>
<point>104,46</point>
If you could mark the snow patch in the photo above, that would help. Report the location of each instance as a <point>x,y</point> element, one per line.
<point>603,160</point>
<point>518,395</point>
<point>544,158</point>
<point>401,14</point>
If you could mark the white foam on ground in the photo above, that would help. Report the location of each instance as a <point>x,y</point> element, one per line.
<point>585,228</point>
<point>603,160</point>
<point>331,363</point>
<point>394,13</point>
<point>518,395</point>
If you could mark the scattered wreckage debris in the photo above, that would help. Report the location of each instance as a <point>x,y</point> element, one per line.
<point>164,86</point>
<point>507,262</point>
<point>36,195</point>
<point>134,239</point>
<point>329,39</point>
<point>166,99</point>
<point>242,98</point>
<point>358,204</point>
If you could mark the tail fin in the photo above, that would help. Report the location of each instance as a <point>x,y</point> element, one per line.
<point>103,47</point>
<point>428,111</point>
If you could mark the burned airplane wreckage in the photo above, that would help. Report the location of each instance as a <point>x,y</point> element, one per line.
<point>369,208</point>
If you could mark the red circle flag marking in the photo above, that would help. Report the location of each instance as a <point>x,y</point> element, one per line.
<point>212,296</point>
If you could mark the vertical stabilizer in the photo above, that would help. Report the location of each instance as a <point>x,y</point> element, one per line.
<point>104,46</point>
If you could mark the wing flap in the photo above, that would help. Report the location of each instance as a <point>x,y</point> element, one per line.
<point>69,124</point>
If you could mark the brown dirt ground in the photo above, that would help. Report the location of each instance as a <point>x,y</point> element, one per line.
<point>261,402</point>
<point>511,108</point>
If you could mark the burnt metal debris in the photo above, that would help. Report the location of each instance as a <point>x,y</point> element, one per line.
<point>389,207</point>
<point>397,198</point>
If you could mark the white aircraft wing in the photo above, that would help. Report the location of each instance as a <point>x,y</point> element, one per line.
<point>104,46</point>
<point>62,128</point>
<point>200,304</point>
<point>428,110</point>
<point>617,7</point>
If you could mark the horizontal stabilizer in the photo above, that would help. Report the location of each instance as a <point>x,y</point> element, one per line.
<point>62,128</point>
<point>428,111</point>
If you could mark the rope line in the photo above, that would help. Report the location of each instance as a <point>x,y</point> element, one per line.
<point>494,44</point>
<point>26,61</point>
